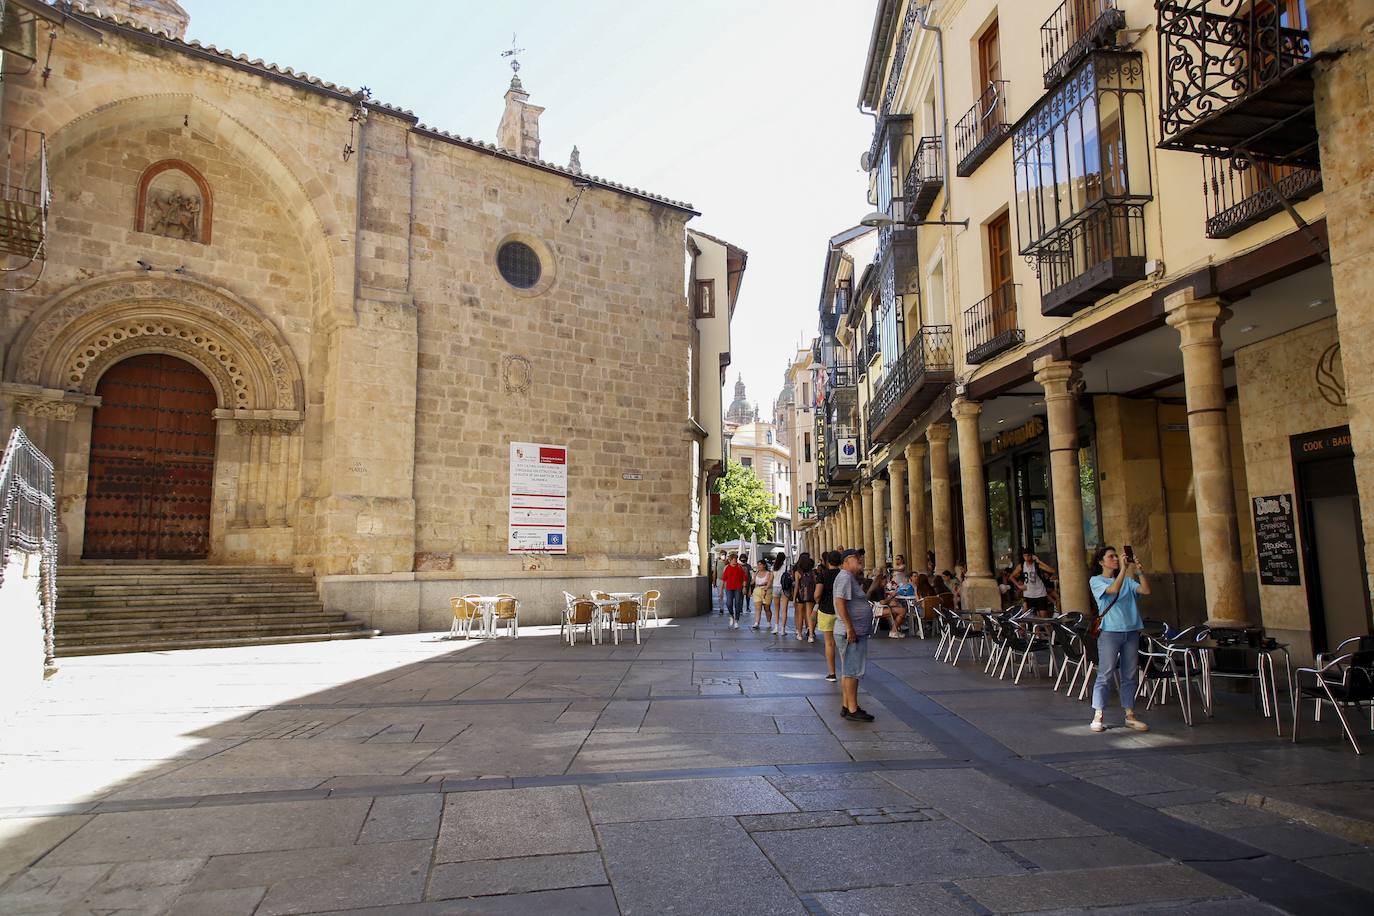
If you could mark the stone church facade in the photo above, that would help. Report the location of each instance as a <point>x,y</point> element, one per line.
<point>343,318</point>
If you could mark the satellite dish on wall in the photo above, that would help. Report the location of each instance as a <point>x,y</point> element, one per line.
<point>866,161</point>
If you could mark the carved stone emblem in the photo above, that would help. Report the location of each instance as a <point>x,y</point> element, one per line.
<point>53,410</point>
<point>1331,376</point>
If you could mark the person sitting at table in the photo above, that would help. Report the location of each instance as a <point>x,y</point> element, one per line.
<point>924,587</point>
<point>883,592</point>
<point>1115,585</point>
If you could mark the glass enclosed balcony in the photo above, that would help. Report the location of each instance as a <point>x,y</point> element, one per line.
<point>1082,178</point>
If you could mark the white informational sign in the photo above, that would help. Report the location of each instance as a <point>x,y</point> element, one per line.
<point>538,498</point>
<point>849,452</point>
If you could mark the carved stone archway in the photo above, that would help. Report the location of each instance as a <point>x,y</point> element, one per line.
<point>69,342</point>
<point>71,339</point>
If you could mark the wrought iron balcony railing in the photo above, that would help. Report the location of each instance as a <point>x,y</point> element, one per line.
<point>840,375</point>
<point>870,347</point>
<point>1236,76</point>
<point>912,382</point>
<point>1239,194</point>
<point>925,177</point>
<point>990,325</point>
<point>1101,253</point>
<point>982,129</point>
<point>23,195</point>
<point>1074,29</point>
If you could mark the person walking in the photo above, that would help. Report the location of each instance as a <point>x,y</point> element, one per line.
<point>853,626</point>
<point>825,607</point>
<point>1115,585</point>
<point>803,596</point>
<point>732,577</point>
<point>763,594</point>
<point>782,581</point>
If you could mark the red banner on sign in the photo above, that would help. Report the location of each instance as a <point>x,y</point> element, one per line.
<point>553,456</point>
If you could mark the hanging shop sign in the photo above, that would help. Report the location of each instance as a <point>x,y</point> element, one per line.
<point>538,498</point>
<point>849,452</point>
<point>1031,429</point>
<point>1276,540</point>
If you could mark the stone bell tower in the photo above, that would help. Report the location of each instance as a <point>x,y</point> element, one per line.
<point>519,130</point>
<point>155,15</point>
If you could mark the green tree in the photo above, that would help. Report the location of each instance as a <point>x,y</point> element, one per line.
<point>746,509</point>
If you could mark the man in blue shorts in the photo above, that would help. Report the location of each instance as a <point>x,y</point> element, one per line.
<point>853,626</point>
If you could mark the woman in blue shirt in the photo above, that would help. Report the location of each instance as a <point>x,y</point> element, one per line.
<point>1118,645</point>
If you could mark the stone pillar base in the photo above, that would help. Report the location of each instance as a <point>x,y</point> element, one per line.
<point>977,592</point>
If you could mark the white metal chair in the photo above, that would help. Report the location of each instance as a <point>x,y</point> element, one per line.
<point>624,614</point>
<point>465,612</point>
<point>585,614</point>
<point>507,611</point>
<point>649,605</point>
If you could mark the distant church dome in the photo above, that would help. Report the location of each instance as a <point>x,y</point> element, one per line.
<point>740,410</point>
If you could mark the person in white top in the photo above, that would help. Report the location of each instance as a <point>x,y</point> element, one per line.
<point>1032,580</point>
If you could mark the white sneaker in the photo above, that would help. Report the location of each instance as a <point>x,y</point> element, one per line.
<point>1098,725</point>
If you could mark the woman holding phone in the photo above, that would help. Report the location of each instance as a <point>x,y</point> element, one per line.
<point>1115,584</point>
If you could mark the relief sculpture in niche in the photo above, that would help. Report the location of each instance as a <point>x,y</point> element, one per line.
<point>174,202</point>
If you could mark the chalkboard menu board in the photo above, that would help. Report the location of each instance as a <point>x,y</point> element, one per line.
<point>1276,540</point>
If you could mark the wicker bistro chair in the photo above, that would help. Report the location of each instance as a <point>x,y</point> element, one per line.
<point>624,614</point>
<point>1341,678</point>
<point>465,612</point>
<point>508,612</point>
<point>649,605</point>
<point>585,614</point>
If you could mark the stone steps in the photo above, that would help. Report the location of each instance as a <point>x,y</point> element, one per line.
<point>142,645</point>
<point>118,607</point>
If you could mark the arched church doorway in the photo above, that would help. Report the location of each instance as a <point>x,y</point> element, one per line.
<point>152,462</point>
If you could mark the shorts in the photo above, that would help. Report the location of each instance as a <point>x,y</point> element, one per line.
<point>1039,604</point>
<point>777,591</point>
<point>851,656</point>
<point>825,622</point>
<point>761,594</point>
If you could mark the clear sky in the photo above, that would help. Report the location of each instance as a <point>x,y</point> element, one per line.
<point>744,108</point>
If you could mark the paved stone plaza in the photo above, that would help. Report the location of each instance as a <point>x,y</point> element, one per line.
<point>706,771</point>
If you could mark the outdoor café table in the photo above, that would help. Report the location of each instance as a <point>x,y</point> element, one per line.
<point>914,611</point>
<point>1206,650</point>
<point>487,603</point>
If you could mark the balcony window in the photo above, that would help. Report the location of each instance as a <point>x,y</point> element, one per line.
<point>1075,28</point>
<point>24,194</point>
<point>925,177</point>
<point>1082,175</point>
<point>1236,76</point>
<point>981,130</point>
<point>913,382</point>
<point>1241,193</point>
<point>990,325</point>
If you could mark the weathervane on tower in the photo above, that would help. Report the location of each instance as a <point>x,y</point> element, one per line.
<point>514,60</point>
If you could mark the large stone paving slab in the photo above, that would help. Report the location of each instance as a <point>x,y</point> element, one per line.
<point>607,752</point>
<point>680,798</point>
<point>178,833</point>
<point>314,880</point>
<point>719,870</point>
<point>906,900</point>
<point>323,757</point>
<point>516,876</point>
<point>991,809</point>
<point>843,858</point>
<point>490,750</point>
<point>507,823</point>
<point>1098,887</point>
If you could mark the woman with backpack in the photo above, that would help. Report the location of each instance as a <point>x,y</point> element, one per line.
<point>803,591</point>
<point>782,593</point>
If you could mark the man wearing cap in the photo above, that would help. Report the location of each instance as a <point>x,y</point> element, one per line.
<point>853,626</point>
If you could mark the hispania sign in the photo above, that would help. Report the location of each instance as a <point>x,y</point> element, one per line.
<point>538,498</point>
